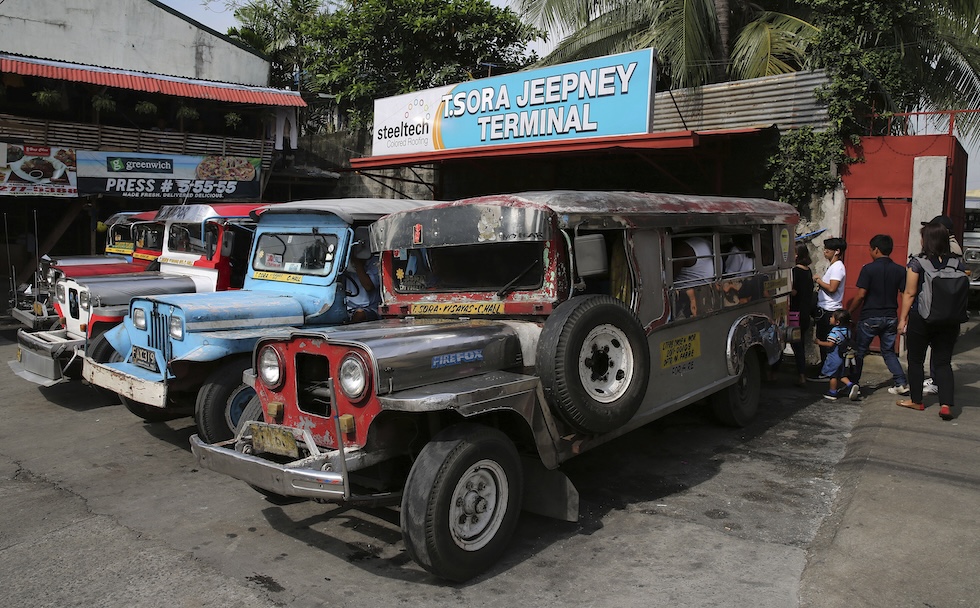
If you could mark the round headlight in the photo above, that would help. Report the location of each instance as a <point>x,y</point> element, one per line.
<point>176,328</point>
<point>353,377</point>
<point>83,299</point>
<point>59,292</point>
<point>270,367</point>
<point>139,318</point>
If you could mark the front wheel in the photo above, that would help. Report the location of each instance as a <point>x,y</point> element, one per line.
<point>221,401</point>
<point>461,501</point>
<point>737,405</point>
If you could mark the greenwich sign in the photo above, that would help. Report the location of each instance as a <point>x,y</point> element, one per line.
<point>601,97</point>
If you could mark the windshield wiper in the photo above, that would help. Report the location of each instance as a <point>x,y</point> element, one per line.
<point>506,289</point>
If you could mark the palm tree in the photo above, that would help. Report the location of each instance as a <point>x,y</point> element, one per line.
<point>275,28</point>
<point>693,37</point>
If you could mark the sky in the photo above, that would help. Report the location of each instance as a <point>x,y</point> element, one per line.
<point>215,16</point>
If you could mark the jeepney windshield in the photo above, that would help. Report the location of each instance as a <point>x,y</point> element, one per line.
<point>120,233</point>
<point>187,238</point>
<point>500,267</point>
<point>148,236</point>
<point>313,254</point>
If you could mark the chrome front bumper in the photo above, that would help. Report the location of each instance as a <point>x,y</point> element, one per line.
<point>147,389</point>
<point>43,356</point>
<point>281,479</point>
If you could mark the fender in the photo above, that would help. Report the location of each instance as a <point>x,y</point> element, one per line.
<point>118,337</point>
<point>752,330</point>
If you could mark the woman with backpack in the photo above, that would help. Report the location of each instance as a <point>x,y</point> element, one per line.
<point>922,327</point>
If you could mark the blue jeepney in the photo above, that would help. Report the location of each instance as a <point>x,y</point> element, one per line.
<point>187,352</point>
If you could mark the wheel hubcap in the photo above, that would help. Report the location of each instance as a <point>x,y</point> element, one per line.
<point>479,503</point>
<point>606,363</point>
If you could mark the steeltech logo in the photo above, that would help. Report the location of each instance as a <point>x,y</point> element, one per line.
<point>121,164</point>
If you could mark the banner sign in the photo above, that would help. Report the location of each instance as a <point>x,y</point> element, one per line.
<point>168,176</point>
<point>27,170</point>
<point>601,97</point>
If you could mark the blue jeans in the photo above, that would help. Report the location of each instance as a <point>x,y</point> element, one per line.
<point>886,328</point>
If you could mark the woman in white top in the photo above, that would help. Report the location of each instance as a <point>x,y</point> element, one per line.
<point>830,288</point>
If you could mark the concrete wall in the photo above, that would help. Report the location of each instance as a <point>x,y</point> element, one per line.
<point>928,195</point>
<point>135,35</point>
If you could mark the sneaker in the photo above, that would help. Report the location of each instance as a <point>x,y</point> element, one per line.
<point>853,391</point>
<point>900,389</point>
<point>820,378</point>
<point>946,413</point>
<point>929,387</point>
<point>832,395</point>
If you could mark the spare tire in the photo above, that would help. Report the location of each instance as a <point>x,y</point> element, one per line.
<point>593,359</point>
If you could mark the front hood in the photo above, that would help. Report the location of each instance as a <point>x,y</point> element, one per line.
<point>408,353</point>
<point>120,289</point>
<point>225,310</point>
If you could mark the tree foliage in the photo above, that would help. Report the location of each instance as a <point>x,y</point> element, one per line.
<point>378,48</point>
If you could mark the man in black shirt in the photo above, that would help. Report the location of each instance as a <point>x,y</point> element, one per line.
<point>880,284</point>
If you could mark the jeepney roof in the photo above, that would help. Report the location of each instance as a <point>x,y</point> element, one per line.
<point>347,209</point>
<point>587,208</point>
<point>199,212</point>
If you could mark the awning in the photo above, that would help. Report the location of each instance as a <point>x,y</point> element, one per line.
<point>150,83</point>
<point>647,141</point>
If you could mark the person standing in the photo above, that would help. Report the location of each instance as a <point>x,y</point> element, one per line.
<point>830,291</point>
<point>801,303</point>
<point>879,285</point>
<point>919,334</point>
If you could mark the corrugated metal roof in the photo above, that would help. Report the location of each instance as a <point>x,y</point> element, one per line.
<point>787,101</point>
<point>150,83</point>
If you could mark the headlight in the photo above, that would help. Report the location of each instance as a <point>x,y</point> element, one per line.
<point>270,367</point>
<point>139,318</point>
<point>353,377</point>
<point>59,292</point>
<point>83,299</point>
<point>176,328</point>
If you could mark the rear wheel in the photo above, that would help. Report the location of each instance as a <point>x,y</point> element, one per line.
<point>221,401</point>
<point>461,501</point>
<point>737,405</point>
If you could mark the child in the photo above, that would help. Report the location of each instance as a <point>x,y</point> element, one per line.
<point>835,365</point>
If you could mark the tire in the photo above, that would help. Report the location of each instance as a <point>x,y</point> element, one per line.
<point>737,405</point>
<point>221,400</point>
<point>593,359</point>
<point>462,501</point>
<point>101,351</point>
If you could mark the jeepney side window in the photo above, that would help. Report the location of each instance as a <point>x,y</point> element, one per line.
<point>738,253</point>
<point>768,242</point>
<point>309,253</point>
<point>692,259</point>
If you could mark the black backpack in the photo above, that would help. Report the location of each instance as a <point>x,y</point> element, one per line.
<point>945,292</point>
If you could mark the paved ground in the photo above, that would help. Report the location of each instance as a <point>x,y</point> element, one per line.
<point>819,504</point>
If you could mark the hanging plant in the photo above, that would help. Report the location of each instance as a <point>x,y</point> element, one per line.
<point>146,107</point>
<point>102,102</point>
<point>47,98</point>
<point>232,120</point>
<point>185,112</point>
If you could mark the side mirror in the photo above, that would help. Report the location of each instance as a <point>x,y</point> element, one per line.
<point>591,259</point>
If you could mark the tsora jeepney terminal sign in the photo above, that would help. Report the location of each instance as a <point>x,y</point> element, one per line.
<point>601,97</point>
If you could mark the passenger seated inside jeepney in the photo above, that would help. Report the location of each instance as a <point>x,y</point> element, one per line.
<point>738,255</point>
<point>693,262</point>
<point>362,280</point>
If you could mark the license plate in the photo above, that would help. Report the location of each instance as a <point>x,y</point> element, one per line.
<point>145,358</point>
<point>273,439</point>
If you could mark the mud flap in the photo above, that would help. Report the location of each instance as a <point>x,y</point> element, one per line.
<point>548,492</point>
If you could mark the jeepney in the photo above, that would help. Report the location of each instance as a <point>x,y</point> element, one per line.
<point>34,307</point>
<point>971,246</point>
<point>523,330</point>
<point>89,306</point>
<point>194,348</point>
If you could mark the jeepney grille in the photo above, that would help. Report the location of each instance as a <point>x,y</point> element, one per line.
<point>159,338</point>
<point>73,303</point>
<point>313,384</point>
